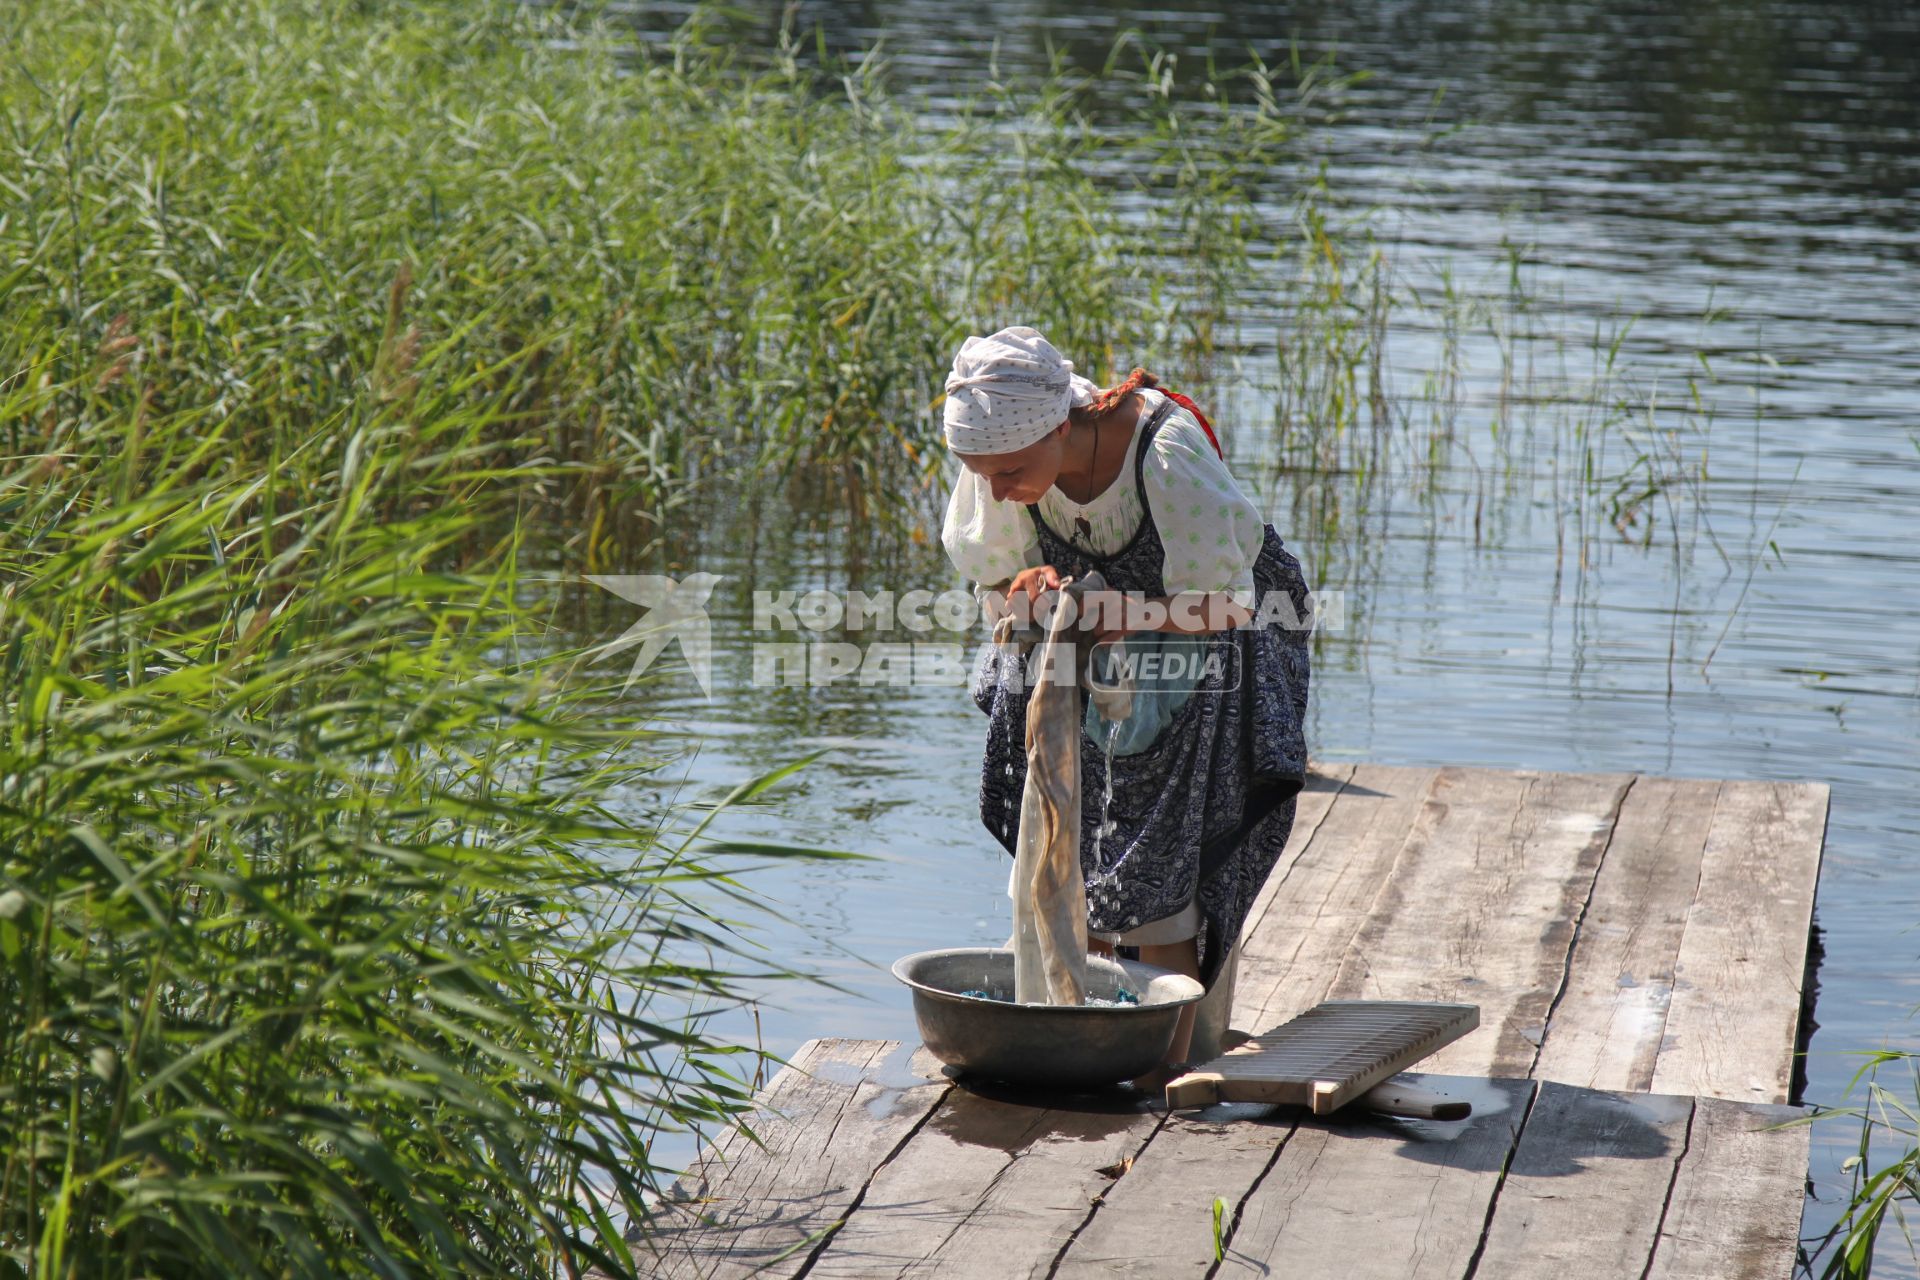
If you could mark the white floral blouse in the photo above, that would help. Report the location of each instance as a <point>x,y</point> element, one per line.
<point>1210,530</point>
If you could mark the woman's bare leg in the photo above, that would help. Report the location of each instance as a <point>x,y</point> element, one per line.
<point>1181,957</point>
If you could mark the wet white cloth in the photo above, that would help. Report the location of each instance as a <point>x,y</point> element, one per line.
<point>1008,390</point>
<point>1178,927</point>
<point>1050,904</point>
<point>1047,884</point>
<point>1210,529</point>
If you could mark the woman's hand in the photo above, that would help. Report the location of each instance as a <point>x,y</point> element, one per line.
<point>1019,595</point>
<point>1035,582</point>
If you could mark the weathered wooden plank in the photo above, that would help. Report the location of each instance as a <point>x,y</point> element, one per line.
<point>1375,1198</point>
<point>1481,905</point>
<point>986,1189</point>
<point>1157,1220</point>
<point>1398,884</point>
<point>1607,1028</point>
<point>827,1120</point>
<point>1735,1209</point>
<point>1736,996</point>
<point>1328,1056</point>
<point>1589,1180</point>
<point>1319,901</point>
<point>1324,785</point>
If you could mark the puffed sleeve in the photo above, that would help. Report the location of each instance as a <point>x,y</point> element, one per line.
<point>987,541</point>
<point>1210,529</point>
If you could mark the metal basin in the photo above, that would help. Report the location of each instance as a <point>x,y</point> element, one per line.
<point>1048,1046</point>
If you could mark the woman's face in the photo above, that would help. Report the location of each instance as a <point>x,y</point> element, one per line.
<point>1025,474</point>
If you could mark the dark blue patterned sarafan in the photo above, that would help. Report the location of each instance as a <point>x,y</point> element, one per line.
<point>1206,808</point>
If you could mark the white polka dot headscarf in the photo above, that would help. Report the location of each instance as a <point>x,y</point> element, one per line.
<point>1008,390</point>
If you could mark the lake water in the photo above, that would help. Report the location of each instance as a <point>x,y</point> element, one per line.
<point>1757,161</point>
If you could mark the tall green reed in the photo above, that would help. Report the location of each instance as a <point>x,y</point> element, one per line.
<point>1445,395</point>
<point>323,949</point>
<point>657,264</point>
<point>1885,1170</point>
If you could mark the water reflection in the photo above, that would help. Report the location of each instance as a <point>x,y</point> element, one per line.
<point>1677,89</point>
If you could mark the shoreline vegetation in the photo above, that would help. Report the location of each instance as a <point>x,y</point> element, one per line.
<point>1883,1172</point>
<point>333,938</point>
<point>651,264</point>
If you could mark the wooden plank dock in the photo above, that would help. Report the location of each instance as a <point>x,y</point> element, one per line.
<point>1637,948</point>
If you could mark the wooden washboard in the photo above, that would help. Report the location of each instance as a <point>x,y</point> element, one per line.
<point>1328,1056</point>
